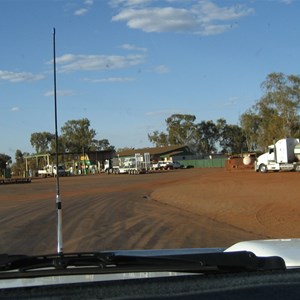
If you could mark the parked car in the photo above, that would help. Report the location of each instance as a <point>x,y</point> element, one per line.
<point>162,165</point>
<point>176,165</point>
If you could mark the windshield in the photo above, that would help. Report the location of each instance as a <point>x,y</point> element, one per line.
<point>163,109</point>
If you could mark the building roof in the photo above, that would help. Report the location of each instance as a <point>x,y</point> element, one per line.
<point>167,150</point>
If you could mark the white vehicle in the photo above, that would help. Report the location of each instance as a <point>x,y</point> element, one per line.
<point>50,171</point>
<point>284,155</point>
<point>159,165</point>
<point>46,171</point>
<point>132,165</point>
<point>163,165</point>
<point>246,270</point>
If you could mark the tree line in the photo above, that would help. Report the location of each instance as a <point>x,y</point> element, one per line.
<point>76,138</point>
<point>201,138</point>
<point>275,115</point>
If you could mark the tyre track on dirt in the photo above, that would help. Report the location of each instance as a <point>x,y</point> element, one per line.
<point>107,212</point>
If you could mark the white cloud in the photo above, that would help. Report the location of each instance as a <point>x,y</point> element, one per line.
<point>81,12</point>
<point>115,3</point>
<point>215,29</point>
<point>19,76</point>
<point>112,79</point>
<point>89,2</point>
<point>133,47</point>
<point>84,10</point>
<point>65,58</point>
<point>208,11</point>
<point>156,19</point>
<point>204,18</point>
<point>287,1</point>
<point>60,93</point>
<point>72,62</point>
<point>14,109</point>
<point>162,69</point>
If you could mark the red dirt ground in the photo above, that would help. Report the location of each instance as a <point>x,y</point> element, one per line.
<point>264,204</point>
<point>170,209</point>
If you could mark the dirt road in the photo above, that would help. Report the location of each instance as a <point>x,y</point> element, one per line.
<point>174,209</point>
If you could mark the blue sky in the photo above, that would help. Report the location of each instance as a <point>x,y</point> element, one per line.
<point>127,65</point>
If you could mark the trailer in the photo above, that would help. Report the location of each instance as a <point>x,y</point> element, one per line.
<point>284,155</point>
<point>126,165</point>
<point>15,180</point>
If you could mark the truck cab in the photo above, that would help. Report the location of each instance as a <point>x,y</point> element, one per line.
<point>280,157</point>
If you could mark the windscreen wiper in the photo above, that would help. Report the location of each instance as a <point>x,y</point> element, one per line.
<point>112,262</point>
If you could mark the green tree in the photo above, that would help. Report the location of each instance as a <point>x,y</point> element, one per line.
<point>41,141</point>
<point>4,160</point>
<point>77,135</point>
<point>250,123</point>
<point>275,115</point>
<point>124,149</point>
<point>61,145</point>
<point>207,135</point>
<point>181,130</point>
<point>19,156</point>
<point>201,138</point>
<point>231,137</point>
<point>18,166</point>
<point>98,145</point>
<point>159,139</point>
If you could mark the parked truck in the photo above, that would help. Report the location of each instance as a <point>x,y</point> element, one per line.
<point>127,165</point>
<point>51,170</point>
<point>284,155</point>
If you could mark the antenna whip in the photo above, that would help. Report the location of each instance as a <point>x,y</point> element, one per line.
<point>58,200</point>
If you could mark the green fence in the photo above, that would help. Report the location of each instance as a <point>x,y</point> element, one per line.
<point>204,163</point>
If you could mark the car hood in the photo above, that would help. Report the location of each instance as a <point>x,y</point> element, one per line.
<point>287,249</point>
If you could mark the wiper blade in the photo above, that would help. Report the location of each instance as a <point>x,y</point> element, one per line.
<point>207,262</point>
<point>110,262</point>
<point>56,261</point>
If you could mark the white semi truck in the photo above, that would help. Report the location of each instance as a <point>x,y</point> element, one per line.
<point>284,155</point>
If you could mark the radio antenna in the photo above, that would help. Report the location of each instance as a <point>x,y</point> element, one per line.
<point>58,200</point>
